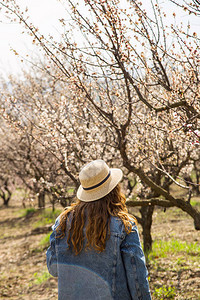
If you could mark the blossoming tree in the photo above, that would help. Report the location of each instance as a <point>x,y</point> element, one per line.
<point>127,91</point>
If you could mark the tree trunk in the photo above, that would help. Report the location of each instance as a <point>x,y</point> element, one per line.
<point>53,202</point>
<point>197,181</point>
<point>41,200</point>
<point>5,197</point>
<point>146,222</point>
<point>6,200</point>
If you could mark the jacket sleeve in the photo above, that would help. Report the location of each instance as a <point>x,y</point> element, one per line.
<point>51,257</point>
<point>135,267</point>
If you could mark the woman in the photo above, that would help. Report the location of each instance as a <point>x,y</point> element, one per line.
<point>94,248</point>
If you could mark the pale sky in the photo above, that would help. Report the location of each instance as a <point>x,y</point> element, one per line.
<point>45,15</point>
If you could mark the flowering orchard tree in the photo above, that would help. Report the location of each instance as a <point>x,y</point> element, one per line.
<point>23,145</point>
<point>127,91</point>
<point>6,178</point>
<point>60,133</point>
<point>192,6</point>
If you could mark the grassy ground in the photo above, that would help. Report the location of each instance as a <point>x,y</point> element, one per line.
<point>24,236</point>
<point>174,261</point>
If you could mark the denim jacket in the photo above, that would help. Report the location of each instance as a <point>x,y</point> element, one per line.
<point>119,272</point>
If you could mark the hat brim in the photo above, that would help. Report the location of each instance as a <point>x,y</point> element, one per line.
<point>101,191</point>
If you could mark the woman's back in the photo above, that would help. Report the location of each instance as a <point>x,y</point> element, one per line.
<point>95,249</point>
<point>93,275</point>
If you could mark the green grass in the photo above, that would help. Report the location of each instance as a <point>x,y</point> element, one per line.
<point>26,211</point>
<point>163,248</point>
<point>43,244</point>
<point>46,217</point>
<point>41,277</point>
<point>195,202</point>
<point>164,292</point>
<point>45,240</point>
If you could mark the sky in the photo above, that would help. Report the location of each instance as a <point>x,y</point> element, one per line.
<point>45,14</point>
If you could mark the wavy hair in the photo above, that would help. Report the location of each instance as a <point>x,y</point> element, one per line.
<point>95,217</point>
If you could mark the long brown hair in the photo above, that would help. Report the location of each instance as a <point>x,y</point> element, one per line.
<point>95,216</point>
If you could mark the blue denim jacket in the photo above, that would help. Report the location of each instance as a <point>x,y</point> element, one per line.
<point>119,272</point>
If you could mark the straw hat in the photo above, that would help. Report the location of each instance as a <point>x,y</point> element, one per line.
<point>97,180</point>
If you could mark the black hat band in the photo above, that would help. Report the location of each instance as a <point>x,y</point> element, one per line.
<point>98,184</point>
